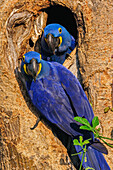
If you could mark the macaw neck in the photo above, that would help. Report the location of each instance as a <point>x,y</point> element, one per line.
<point>44,70</point>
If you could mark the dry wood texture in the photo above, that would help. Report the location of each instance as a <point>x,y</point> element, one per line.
<point>22,22</point>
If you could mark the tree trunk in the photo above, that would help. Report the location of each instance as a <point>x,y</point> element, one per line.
<point>22,22</point>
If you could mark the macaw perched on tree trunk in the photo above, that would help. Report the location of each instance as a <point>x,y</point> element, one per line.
<point>59,97</point>
<point>56,43</point>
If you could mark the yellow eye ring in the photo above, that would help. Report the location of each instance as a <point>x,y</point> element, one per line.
<point>60,30</point>
<point>23,58</point>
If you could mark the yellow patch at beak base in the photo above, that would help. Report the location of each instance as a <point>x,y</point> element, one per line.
<point>25,69</point>
<point>60,39</point>
<point>40,66</point>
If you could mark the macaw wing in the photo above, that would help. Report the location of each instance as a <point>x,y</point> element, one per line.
<point>50,99</point>
<point>75,92</point>
<point>95,159</point>
<point>73,43</point>
<point>56,97</point>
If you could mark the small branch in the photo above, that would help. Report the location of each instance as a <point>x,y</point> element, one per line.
<point>76,154</point>
<point>105,138</point>
<point>107,143</point>
<point>82,161</point>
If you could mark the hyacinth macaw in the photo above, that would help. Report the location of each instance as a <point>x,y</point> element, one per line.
<point>56,43</point>
<point>59,97</point>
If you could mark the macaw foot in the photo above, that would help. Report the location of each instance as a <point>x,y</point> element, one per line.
<point>68,56</point>
<point>67,161</point>
<point>36,124</point>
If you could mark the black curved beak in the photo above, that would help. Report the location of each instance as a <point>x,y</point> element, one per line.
<point>32,68</point>
<point>52,42</point>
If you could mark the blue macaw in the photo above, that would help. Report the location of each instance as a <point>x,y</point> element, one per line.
<point>56,43</point>
<point>59,97</point>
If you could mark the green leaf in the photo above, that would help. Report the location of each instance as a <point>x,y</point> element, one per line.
<point>86,128</point>
<point>86,142</point>
<point>106,109</point>
<point>82,121</point>
<point>76,142</point>
<point>112,109</point>
<point>81,139</point>
<point>95,121</point>
<point>98,129</point>
<point>91,104</point>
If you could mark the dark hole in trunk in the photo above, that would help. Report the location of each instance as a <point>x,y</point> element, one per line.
<point>64,16</point>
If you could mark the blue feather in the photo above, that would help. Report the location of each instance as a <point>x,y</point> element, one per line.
<point>67,45</point>
<point>58,95</point>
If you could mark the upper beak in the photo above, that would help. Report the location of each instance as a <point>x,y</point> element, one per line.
<point>52,42</point>
<point>32,68</point>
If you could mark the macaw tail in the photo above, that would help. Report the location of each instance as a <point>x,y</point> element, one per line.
<point>93,159</point>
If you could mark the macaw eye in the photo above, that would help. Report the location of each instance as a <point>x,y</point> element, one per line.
<point>60,30</point>
<point>23,58</point>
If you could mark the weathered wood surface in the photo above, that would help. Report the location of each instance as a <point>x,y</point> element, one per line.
<point>22,22</point>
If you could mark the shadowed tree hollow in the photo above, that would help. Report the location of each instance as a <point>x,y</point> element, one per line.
<point>64,16</point>
<point>90,22</point>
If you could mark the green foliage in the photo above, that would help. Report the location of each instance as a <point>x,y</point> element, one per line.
<point>112,109</point>
<point>95,121</point>
<point>83,144</point>
<point>106,109</point>
<point>91,104</point>
<point>86,126</point>
<point>82,121</point>
<point>76,142</point>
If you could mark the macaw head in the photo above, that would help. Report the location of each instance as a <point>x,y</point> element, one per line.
<point>57,38</point>
<point>31,64</point>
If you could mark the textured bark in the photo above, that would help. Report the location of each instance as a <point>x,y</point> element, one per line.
<point>22,22</point>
